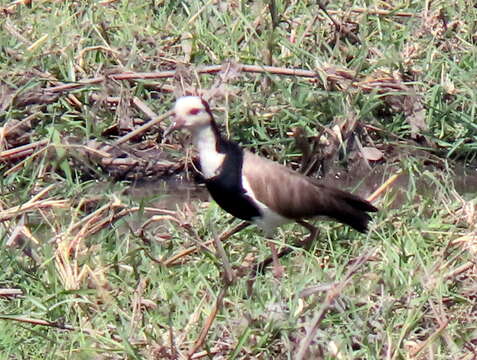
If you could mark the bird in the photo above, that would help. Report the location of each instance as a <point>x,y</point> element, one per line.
<point>258,190</point>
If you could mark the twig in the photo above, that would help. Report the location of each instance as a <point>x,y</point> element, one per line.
<point>105,222</point>
<point>340,77</point>
<point>208,323</point>
<point>37,322</point>
<point>79,58</point>
<point>339,27</point>
<point>24,161</point>
<point>431,337</point>
<point>143,128</point>
<point>62,326</point>
<point>12,239</point>
<point>442,319</point>
<point>142,106</point>
<point>225,235</point>
<point>202,354</point>
<point>107,2</point>
<point>211,69</point>
<point>193,319</point>
<point>8,154</point>
<point>120,162</point>
<point>12,29</point>
<point>10,292</point>
<point>331,296</point>
<point>374,12</point>
<point>229,275</point>
<point>76,85</point>
<point>384,186</point>
<point>21,123</point>
<point>278,71</point>
<point>88,220</point>
<point>229,279</point>
<point>38,43</point>
<point>141,231</point>
<point>97,152</point>
<point>198,12</point>
<point>136,313</point>
<point>459,270</point>
<point>18,155</point>
<point>28,207</point>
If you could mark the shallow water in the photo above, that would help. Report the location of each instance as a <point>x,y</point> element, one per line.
<point>168,194</point>
<point>465,180</point>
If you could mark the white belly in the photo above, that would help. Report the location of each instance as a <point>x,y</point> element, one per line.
<point>269,220</point>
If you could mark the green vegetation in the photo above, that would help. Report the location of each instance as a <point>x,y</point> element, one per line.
<point>83,260</point>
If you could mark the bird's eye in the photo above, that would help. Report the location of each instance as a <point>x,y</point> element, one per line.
<point>194,111</point>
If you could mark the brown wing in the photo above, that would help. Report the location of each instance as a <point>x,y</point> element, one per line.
<point>295,196</point>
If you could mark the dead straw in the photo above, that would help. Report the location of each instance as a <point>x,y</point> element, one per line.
<point>331,295</point>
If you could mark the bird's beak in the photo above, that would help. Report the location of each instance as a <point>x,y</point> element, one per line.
<point>177,124</point>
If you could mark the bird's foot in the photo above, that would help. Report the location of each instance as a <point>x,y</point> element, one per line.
<point>278,270</point>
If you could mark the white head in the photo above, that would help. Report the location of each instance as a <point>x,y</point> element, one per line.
<point>191,112</point>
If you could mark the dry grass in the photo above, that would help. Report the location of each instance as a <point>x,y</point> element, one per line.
<point>91,272</point>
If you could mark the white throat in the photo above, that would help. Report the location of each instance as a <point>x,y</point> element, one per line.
<point>206,142</point>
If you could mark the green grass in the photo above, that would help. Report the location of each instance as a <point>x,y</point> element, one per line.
<point>84,268</point>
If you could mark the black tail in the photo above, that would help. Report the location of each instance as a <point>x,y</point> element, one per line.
<point>350,209</point>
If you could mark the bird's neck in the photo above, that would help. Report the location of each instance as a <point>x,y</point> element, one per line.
<point>207,140</point>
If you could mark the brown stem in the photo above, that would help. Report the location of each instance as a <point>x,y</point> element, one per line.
<point>209,321</point>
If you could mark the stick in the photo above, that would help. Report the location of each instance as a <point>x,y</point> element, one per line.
<point>61,326</point>
<point>331,296</point>
<point>225,235</point>
<point>374,12</point>
<point>425,343</point>
<point>383,187</point>
<point>10,292</point>
<point>210,69</point>
<point>142,128</point>
<point>208,323</point>
<point>4,155</point>
<point>37,322</point>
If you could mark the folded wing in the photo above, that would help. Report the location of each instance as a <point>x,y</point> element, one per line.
<point>295,196</point>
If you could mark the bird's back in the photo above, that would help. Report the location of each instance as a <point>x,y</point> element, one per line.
<point>296,196</point>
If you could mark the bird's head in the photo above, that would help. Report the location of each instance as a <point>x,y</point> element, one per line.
<point>191,113</point>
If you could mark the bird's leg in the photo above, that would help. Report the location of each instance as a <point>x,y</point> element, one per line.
<point>305,244</point>
<point>277,267</point>
<point>313,235</point>
<point>259,268</point>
